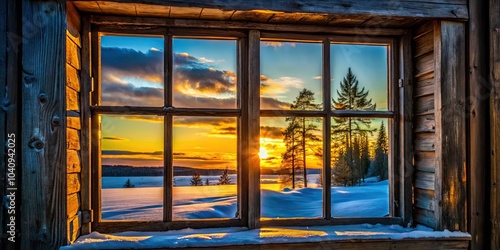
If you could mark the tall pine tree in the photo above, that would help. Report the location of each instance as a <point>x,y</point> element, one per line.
<point>298,137</point>
<point>224,178</point>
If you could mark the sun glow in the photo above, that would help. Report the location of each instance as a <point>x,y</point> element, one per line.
<point>263,153</point>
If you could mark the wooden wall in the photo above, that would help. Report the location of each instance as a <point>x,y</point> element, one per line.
<point>73,67</point>
<point>424,128</point>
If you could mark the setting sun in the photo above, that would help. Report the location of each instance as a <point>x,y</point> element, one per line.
<point>263,153</point>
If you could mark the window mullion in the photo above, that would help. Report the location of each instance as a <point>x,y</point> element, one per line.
<point>327,170</point>
<point>168,151</point>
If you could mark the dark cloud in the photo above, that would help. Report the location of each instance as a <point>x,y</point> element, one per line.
<point>132,63</point>
<point>129,95</point>
<point>125,152</point>
<point>204,121</point>
<point>189,101</point>
<point>224,131</point>
<point>273,103</point>
<point>114,138</point>
<point>271,132</point>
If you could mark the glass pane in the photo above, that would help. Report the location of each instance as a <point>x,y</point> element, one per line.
<point>289,70</point>
<point>291,166</point>
<point>205,166</point>
<point>132,167</point>
<point>360,167</point>
<point>204,73</point>
<point>359,77</point>
<point>132,71</point>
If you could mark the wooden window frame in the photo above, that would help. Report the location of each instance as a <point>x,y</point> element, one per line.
<point>248,109</point>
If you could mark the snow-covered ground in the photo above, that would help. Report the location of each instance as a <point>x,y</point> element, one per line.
<point>144,201</point>
<point>241,236</point>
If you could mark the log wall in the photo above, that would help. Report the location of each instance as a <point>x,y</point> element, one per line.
<point>73,150</point>
<point>424,127</point>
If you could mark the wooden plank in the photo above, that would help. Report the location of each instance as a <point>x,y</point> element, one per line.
<point>73,122</point>
<point>424,180</point>
<point>478,209</point>
<point>424,87</point>
<point>451,174</point>
<point>72,102</point>
<point>117,8</point>
<point>72,54</point>
<point>212,24</point>
<point>254,16</point>
<point>424,44</point>
<point>420,8</point>
<point>73,23</point>
<point>348,21</point>
<point>73,227</point>
<point>185,12</point>
<point>73,139</point>
<point>424,199</point>
<point>253,129</point>
<point>286,17</point>
<point>425,124</point>
<point>85,139</point>
<point>72,78</point>
<point>73,161</point>
<point>152,10</point>
<point>494,78</point>
<point>43,114</point>
<point>425,161</point>
<point>424,64</point>
<point>151,226</point>
<point>87,6</point>
<point>425,217</point>
<point>423,29</point>
<point>330,222</point>
<point>424,105</point>
<point>73,204</point>
<point>216,14</point>
<point>425,142</point>
<point>73,183</point>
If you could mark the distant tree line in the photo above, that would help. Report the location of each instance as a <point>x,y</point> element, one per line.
<point>121,170</point>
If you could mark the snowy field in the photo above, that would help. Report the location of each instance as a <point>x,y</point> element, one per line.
<point>144,201</point>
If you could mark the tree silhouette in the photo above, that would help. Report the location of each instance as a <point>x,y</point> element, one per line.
<point>224,178</point>
<point>128,184</point>
<point>381,161</point>
<point>298,137</point>
<point>207,182</point>
<point>196,180</point>
<point>350,97</point>
<point>341,172</point>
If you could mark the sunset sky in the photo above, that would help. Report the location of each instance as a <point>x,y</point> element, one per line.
<point>205,76</point>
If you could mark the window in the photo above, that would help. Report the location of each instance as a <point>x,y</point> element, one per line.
<point>170,115</point>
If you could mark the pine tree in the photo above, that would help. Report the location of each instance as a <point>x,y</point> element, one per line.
<point>207,182</point>
<point>298,137</point>
<point>128,184</point>
<point>341,172</point>
<point>224,178</point>
<point>196,180</point>
<point>350,97</point>
<point>381,161</point>
<point>365,157</point>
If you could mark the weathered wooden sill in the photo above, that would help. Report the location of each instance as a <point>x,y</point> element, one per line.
<point>363,236</point>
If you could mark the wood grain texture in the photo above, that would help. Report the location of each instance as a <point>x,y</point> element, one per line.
<point>253,129</point>
<point>72,54</point>
<point>42,141</point>
<point>494,77</point>
<point>73,183</point>
<point>421,8</point>
<point>73,26</point>
<point>73,204</point>
<point>425,161</point>
<point>425,124</point>
<point>478,113</point>
<point>450,101</point>
<point>73,139</point>
<point>73,161</point>
<point>72,78</point>
<point>72,101</point>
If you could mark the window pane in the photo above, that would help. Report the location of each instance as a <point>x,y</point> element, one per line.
<point>132,71</point>
<point>205,165</point>
<point>204,73</point>
<point>132,167</point>
<point>291,166</point>
<point>359,77</point>
<point>287,69</point>
<point>360,167</point>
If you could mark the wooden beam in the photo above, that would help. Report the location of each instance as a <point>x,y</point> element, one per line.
<point>416,8</point>
<point>85,139</point>
<point>211,24</point>
<point>243,129</point>
<point>494,77</point>
<point>253,129</point>
<point>478,113</point>
<point>43,138</point>
<point>450,184</point>
<point>327,126</point>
